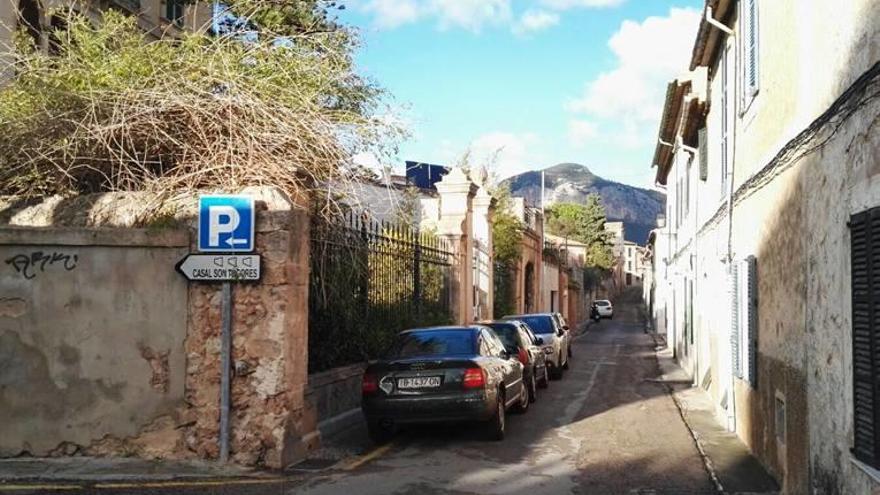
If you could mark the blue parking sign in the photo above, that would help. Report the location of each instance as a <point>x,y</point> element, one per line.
<point>226,223</point>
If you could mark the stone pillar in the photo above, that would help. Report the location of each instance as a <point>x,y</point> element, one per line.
<point>455,223</point>
<point>271,424</point>
<point>484,208</point>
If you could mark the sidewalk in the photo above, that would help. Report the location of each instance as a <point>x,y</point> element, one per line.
<point>29,469</point>
<point>733,468</point>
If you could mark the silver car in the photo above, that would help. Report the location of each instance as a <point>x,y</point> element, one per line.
<point>557,342</point>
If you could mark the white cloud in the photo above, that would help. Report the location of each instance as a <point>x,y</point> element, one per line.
<point>580,132</point>
<point>568,4</point>
<point>471,14</point>
<point>392,13</point>
<point>505,153</point>
<point>649,54</point>
<point>535,20</point>
<point>467,14</point>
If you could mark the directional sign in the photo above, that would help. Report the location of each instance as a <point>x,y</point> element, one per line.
<point>226,223</point>
<point>220,267</point>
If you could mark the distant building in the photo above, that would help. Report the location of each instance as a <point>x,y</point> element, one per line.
<point>632,263</point>
<point>424,175</point>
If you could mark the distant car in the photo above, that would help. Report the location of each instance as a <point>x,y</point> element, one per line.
<point>605,308</point>
<point>556,341</point>
<point>443,375</point>
<point>519,341</point>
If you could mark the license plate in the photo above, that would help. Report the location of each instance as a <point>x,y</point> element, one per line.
<point>419,382</point>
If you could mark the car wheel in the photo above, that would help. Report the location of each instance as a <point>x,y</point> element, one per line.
<point>555,372</point>
<point>380,433</point>
<point>545,378</point>
<point>569,350</point>
<point>497,423</point>
<point>524,401</point>
<point>565,364</point>
<point>533,386</point>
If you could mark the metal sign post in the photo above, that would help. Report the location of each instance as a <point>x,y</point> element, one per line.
<point>225,368</point>
<point>226,227</point>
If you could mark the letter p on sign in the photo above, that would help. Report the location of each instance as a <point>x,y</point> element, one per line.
<point>226,223</point>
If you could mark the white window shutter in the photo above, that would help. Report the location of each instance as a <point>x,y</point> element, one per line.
<point>750,49</point>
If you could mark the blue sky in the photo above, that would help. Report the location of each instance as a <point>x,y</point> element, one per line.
<point>531,82</point>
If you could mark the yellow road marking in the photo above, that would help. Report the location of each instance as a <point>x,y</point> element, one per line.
<point>368,457</point>
<point>14,488</point>
<point>184,484</point>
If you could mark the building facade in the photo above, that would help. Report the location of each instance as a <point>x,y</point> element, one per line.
<point>762,275</point>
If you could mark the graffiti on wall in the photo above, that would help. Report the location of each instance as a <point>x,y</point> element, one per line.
<point>29,265</point>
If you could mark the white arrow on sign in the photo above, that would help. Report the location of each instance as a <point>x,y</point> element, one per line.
<point>220,268</point>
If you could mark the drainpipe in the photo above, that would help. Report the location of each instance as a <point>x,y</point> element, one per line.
<point>731,415</point>
<point>710,18</point>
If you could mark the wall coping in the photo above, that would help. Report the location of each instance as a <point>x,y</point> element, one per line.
<point>105,237</point>
<point>324,378</point>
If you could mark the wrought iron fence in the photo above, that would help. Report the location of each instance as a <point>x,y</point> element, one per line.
<point>368,281</point>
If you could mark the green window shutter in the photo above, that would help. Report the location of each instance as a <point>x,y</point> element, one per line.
<point>704,154</point>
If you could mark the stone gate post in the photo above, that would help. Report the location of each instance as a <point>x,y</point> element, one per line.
<point>456,224</point>
<point>484,208</point>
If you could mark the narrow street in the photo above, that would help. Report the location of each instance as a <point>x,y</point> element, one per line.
<point>605,428</point>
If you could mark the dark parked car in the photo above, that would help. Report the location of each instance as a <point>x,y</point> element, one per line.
<point>556,339</point>
<point>443,374</point>
<point>519,341</point>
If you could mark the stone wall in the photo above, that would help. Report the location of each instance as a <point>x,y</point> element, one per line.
<point>125,329</point>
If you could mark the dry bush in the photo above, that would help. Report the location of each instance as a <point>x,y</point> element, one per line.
<point>113,111</point>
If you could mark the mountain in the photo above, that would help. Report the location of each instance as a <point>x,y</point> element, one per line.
<point>637,208</point>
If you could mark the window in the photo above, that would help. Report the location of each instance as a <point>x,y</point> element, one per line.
<point>174,11</point>
<point>750,52</point>
<point>865,280</point>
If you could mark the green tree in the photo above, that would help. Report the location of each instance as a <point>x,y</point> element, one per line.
<point>584,223</point>
<point>507,234</point>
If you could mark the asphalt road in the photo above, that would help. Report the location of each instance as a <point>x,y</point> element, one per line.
<point>605,428</point>
<point>602,429</point>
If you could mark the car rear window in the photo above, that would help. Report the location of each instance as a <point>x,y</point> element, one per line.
<point>507,333</point>
<point>603,303</point>
<point>432,343</point>
<point>539,324</point>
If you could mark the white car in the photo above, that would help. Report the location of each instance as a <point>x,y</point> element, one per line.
<point>605,308</point>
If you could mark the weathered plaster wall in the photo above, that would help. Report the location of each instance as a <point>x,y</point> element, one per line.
<point>92,326</point>
<point>769,225</point>
<point>842,179</point>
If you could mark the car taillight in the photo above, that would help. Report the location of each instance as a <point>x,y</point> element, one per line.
<point>369,384</point>
<point>523,356</point>
<point>474,378</point>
